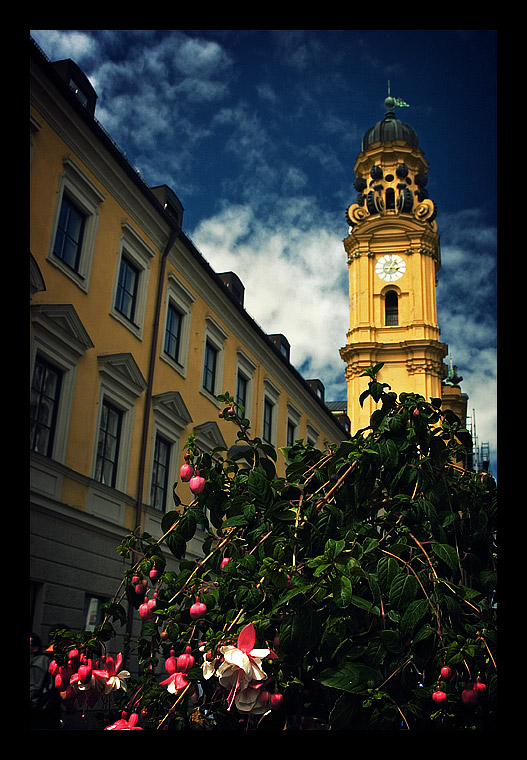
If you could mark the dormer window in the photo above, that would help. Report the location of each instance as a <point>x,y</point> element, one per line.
<point>78,92</point>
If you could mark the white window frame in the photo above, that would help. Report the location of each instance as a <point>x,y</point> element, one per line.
<point>293,417</point>
<point>121,389</point>
<point>247,368</point>
<point>182,299</point>
<point>60,338</point>
<point>139,253</point>
<point>216,336</point>
<point>272,394</point>
<point>87,197</point>
<point>312,435</point>
<point>170,419</point>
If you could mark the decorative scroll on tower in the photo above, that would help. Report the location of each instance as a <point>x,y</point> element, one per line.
<point>393,258</point>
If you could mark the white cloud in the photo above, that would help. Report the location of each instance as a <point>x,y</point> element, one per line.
<point>59,44</point>
<point>295,281</point>
<point>294,271</point>
<point>466,296</point>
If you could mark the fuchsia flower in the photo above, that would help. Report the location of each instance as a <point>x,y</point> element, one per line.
<point>241,671</point>
<point>175,682</point>
<point>107,680</point>
<point>125,725</point>
<point>112,677</point>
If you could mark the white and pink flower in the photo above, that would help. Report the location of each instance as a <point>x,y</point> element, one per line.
<point>240,671</point>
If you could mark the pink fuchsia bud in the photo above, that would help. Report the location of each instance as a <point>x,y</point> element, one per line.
<point>469,696</point>
<point>446,673</point>
<point>275,701</point>
<point>171,663</point>
<point>439,697</point>
<point>62,678</point>
<point>186,472</point>
<point>480,687</point>
<point>263,697</point>
<point>145,609</point>
<point>224,562</point>
<point>53,668</point>
<point>197,484</point>
<point>139,589</point>
<point>154,575</point>
<point>198,610</point>
<point>185,662</point>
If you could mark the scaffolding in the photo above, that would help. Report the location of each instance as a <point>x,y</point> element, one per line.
<point>479,459</point>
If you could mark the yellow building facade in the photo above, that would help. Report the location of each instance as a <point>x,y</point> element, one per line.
<point>393,259</point>
<point>133,336</point>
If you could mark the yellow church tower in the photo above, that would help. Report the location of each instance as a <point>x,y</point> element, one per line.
<point>393,259</point>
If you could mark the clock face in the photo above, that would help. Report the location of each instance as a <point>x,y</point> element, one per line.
<point>390,267</point>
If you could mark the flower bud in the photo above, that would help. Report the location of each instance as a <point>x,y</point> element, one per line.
<point>186,472</point>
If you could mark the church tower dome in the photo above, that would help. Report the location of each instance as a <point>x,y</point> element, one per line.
<point>393,257</point>
<point>390,129</point>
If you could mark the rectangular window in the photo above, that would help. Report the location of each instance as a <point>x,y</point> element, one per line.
<point>45,394</point>
<point>173,332</point>
<point>161,463</point>
<point>291,433</point>
<point>93,612</point>
<point>267,433</point>
<point>70,231</point>
<point>391,308</point>
<point>241,390</point>
<point>209,368</point>
<point>126,296</point>
<point>108,444</point>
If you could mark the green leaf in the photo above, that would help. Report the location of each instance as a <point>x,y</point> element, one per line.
<point>403,590</point>
<point>363,396</point>
<point>389,453</point>
<point>352,677</point>
<point>299,632</point>
<point>376,390</point>
<point>259,489</point>
<point>235,520</point>
<point>423,633</point>
<point>342,591</point>
<point>446,553</point>
<point>392,640</point>
<point>387,569</point>
<point>333,548</point>
<point>176,544</point>
<point>364,604</point>
<point>269,450</point>
<point>168,520</point>
<point>412,615</point>
<point>187,526</point>
<point>249,597</point>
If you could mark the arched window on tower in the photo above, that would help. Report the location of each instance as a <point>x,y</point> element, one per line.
<point>391,308</point>
<point>390,197</point>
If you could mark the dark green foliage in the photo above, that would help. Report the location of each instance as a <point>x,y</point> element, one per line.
<point>368,567</point>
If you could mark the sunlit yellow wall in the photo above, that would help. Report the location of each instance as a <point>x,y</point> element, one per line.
<point>59,137</point>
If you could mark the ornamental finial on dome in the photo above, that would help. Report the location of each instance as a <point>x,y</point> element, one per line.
<point>392,103</point>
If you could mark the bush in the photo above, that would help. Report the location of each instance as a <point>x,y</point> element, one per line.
<point>330,598</point>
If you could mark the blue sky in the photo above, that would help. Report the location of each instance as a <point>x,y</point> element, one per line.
<point>257,132</point>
